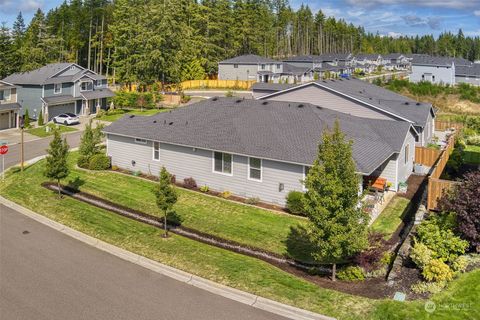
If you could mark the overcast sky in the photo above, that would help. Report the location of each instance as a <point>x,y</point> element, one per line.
<point>388,17</point>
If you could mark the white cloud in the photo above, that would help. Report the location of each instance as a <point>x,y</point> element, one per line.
<point>394,34</point>
<point>477,13</point>
<point>453,4</point>
<point>13,6</point>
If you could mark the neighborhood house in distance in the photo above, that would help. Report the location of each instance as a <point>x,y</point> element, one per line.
<point>9,108</point>
<point>59,88</point>
<point>255,148</point>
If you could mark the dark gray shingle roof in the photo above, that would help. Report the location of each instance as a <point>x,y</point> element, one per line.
<point>248,59</point>
<point>439,61</point>
<point>472,71</point>
<point>60,99</point>
<point>281,131</point>
<point>9,106</point>
<point>98,94</point>
<point>273,87</point>
<point>37,76</point>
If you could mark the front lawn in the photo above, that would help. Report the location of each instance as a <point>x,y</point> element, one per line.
<point>41,132</point>
<point>472,154</point>
<point>457,301</point>
<point>391,217</point>
<point>112,116</point>
<point>229,220</point>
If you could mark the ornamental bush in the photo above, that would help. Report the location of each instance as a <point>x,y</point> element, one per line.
<point>189,183</point>
<point>204,189</point>
<point>460,264</point>
<point>437,270</point>
<point>253,201</point>
<point>420,254</point>
<point>99,162</point>
<point>295,202</point>
<point>436,233</point>
<point>352,273</point>
<point>428,287</point>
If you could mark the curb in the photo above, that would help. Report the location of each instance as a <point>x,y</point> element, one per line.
<point>204,284</point>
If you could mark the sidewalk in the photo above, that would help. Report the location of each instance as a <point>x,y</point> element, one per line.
<point>221,290</point>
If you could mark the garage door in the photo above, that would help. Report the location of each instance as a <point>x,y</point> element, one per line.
<point>4,121</point>
<point>54,111</point>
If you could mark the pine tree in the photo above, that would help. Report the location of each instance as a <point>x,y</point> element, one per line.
<point>89,144</point>
<point>338,226</point>
<point>26,119</point>
<point>56,166</point>
<point>40,119</point>
<point>166,196</point>
<point>7,52</point>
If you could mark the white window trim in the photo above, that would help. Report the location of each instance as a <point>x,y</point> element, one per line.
<point>55,86</point>
<point>213,164</point>
<point>153,151</point>
<point>407,152</point>
<point>7,94</point>
<point>140,141</point>
<point>261,170</point>
<point>304,177</point>
<point>81,82</point>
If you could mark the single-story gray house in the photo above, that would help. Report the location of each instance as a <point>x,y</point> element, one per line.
<point>59,88</point>
<point>362,99</point>
<point>468,74</point>
<point>9,108</point>
<point>255,148</point>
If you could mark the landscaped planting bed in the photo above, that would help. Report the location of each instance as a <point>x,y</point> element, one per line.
<point>230,268</point>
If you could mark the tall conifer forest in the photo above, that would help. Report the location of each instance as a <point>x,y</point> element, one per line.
<point>144,41</point>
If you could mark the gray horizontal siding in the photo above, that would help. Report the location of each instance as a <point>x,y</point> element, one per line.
<point>186,162</point>
<point>321,97</point>
<point>243,72</point>
<point>388,170</point>
<point>29,97</point>
<point>405,169</point>
<point>67,89</point>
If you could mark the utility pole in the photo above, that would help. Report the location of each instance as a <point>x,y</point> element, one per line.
<point>22,155</point>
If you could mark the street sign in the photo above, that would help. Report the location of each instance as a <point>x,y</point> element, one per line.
<point>4,149</point>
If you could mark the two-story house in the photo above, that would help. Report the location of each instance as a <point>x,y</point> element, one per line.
<point>59,88</point>
<point>8,106</point>
<point>248,67</point>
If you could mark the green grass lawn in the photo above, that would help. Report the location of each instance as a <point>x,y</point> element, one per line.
<point>222,266</point>
<point>391,217</point>
<point>244,224</point>
<point>118,113</point>
<point>40,131</point>
<point>472,154</point>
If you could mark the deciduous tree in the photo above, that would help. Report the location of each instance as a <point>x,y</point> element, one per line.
<point>166,196</point>
<point>56,163</point>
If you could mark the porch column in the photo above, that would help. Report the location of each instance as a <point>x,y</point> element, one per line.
<point>17,120</point>
<point>87,107</point>
<point>45,112</point>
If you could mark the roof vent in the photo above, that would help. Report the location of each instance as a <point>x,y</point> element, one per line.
<point>265,103</point>
<point>186,123</point>
<point>170,123</point>
<point>324,81</point>
<point>214,98</point>
<point>300,106</point>
<point>238,100</point>
<point>132,116</point>
<point>418,103</point>
<point>154,121</point>
<point>407,103</point>
<point>320,108</point>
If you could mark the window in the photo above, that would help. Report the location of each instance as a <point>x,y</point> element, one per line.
<point>140,141</point>
<point>263,67</point>
<point>156,151</point>
<point>279,66</point>
<point>235,66</point>
<point>255,169</point>
<point>423,77</point>
<point>57,88</point>
<point>222,163</point>
<point>85,86</point>
<point>407,149</point>
<point>72,68</point>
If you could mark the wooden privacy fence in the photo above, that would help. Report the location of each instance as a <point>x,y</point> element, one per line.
<point>426,156</point>
<point>436,186</point>
<point>221,84</point>
<point>445,125</point>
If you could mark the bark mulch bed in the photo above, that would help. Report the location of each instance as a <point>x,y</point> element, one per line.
<point>375,288</point>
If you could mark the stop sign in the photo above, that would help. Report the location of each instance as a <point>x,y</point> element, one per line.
<point>3,149</point>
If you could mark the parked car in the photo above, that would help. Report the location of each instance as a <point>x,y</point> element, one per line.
<point>66,119</point>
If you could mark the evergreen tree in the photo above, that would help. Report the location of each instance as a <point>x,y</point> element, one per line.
<point>56,162</point>
<point>166,196</point>
<point>338,226</point>
<point>26,119</point>
<point>40,119</point>
<point>89,144</point>
<point>7,52</point>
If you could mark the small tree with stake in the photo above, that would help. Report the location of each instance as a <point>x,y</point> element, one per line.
<point>166,196</point>
<point>56,167</point>
<point>338,226</point>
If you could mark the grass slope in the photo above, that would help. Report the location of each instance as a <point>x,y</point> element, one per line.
<point>40,131</point>
<point>117,114</point>
<point>391,217</point>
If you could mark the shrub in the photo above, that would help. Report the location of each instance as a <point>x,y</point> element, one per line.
<point>387,258</point>
<point>40,121</point>
<point>436,233</point>
<point>437,270</point>
<point>99,162</point>
<point>229,94</point>
<point>114,168</point>
<point>352,273</point>
<point>369,259</point>
<point>26,120</point>
<point>253,201</point>
<point>184,98</point>
<point>420,254</point>
<point>100,113</point>
<point>204,189</point>
<point>295,202</point>
<point>173,178</point>
<point>473,140</point>
<point>460,264</point>
<point>189,183</point>
<point>428,287</point>
<point>83,162</point>
<point>226,194</point>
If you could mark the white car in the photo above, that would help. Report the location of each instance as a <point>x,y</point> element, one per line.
<point>66,119</point>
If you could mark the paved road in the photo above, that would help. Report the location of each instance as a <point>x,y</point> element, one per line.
<point>47,275</point>
<point>218,93</point>
<point>37,148</point>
